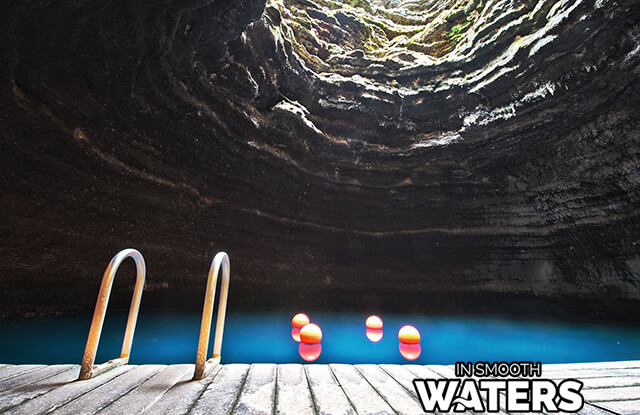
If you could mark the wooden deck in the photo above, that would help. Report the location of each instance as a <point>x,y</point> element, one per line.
<point>612,387</point>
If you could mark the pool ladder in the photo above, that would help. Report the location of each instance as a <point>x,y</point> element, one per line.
<point>203,366</point>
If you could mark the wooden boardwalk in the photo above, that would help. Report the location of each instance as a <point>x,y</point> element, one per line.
<point>612,387</point>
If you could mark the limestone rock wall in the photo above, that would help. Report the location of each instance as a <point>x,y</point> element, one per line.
<point>432,156</point>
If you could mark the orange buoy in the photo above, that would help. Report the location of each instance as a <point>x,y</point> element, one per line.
<point>409,335</point>
<point>410,351</point>
<point>310,352</point>
<point>310,334</point>
<point>300,320</point>
<point>295,334</point>
<point>374,322</point>
<point>374,335</point>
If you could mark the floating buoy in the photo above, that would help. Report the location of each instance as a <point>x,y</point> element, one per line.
<point>374,335</point>
<point>300,320</point>
<point>310,352</point>
<point>310,334</point>
<point>409,335</point>
<point>374,322</point>
<point>295,334</point>
<point>410,351</point>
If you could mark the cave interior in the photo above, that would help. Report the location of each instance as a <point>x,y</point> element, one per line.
<point>427,156</point>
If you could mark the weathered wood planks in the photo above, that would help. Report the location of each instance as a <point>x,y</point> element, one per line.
<point>293,396</point>
<point>609,387</point>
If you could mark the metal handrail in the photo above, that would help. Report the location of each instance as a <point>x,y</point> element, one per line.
<point>203,366</point>
<point>88,369</point>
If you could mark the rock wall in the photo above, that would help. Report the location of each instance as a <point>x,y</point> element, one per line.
<point>462,156</point>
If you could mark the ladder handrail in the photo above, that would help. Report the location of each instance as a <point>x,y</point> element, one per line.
<point>203,366</point>
<point>88,370</point>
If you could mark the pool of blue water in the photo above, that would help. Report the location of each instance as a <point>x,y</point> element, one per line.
<point>266,337</point>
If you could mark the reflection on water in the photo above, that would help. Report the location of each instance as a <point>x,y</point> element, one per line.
<point>374,335</point>
<point>309,352</point>
<point>410,351</point>
<point>295,334</point>
<point>266,337</point>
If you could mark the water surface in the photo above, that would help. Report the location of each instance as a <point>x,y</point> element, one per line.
<point>266,337</point>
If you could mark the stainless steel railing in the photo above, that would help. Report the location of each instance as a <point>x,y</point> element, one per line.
<point>88,369</point>
<point>203,366</point>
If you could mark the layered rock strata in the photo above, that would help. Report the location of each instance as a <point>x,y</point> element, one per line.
<point>431,156</point>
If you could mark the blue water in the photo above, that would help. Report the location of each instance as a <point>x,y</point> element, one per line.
<point>266,337</point>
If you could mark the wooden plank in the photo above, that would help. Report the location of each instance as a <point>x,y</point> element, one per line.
<point>292,391</point>
<point>362,395</point>
<point>96,399</point>
<point>590,383</point>
<point>4,367</point>
<point>259,391</point>
<point>183,395</point>
<point>612,394</point>
<point>33,390</point>
<point>441,371</point>
<point>627,364</point>
<point>267,388</point>
<point>31,376</point>
<point>589,409</point>
<point>622,407</point>
<point>222,393</point>
<point>328,397</point>
<point>448,371</point>
<point>403,376</point>
<point>395,395</point>
<point>589,373</point>
<point>64,393</point>
<point>146,394</point>
<point>11,371</point>
<point>428,372</point>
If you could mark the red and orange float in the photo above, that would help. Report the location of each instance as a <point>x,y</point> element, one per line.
<point>409,335</point>
<point>300,320</point>
<point>374,322</point>
<point>310,334</point>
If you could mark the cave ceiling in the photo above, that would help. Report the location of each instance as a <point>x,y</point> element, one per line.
<point>352,149</point>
